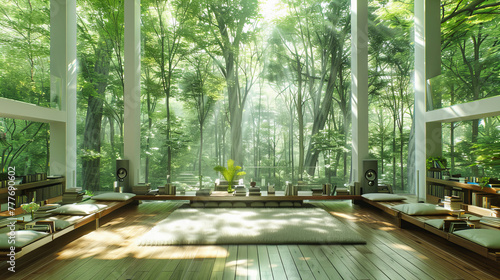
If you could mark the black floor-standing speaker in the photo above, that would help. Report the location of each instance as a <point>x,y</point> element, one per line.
<point>122,175</point>
<point>370,176</point>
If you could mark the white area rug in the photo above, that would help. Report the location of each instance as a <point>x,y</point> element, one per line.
<point>203,226</point>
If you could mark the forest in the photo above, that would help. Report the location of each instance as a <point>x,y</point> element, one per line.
<point>265,83</point>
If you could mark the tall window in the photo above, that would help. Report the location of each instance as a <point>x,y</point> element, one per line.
<point>25,76</point>
<point>470,53</point>
<point>391,89</point>
<point>265,83</point>
<point>25,49</point>
<point>471,153</point>
<point>100,91</point>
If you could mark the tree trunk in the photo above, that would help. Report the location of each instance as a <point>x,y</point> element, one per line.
<point>235,111</point>
<point>300,118</point>
<point>93,121</point>
<point>394,151</point>
<point>200,155</point>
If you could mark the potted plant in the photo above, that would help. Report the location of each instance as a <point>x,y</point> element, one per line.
<point>30,208</point>
<point>229,173</point>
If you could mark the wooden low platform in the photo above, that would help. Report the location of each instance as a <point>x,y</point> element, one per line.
<point>76,222</point>
<point>112,252</point>
<point>231,198</point>
<point>419,221</point>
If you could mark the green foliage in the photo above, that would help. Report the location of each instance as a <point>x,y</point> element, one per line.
<point>24,145</point>
<point>30,207</point>
<point>484,182</point>
<point>229,173</point>
<point>430,161</point>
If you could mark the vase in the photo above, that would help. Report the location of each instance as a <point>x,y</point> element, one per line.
<point>230,189</point>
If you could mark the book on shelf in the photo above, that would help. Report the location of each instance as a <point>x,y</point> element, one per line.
<point>72,195</point>
<point>204,192</point>
<point>240,190</point>
<point>141,188</point>
<point>317,191</point>
<point>342,191</point>
<point>454,226</point>
<point>240,194</point>
<point>254,191</point>
<point>42,228</point>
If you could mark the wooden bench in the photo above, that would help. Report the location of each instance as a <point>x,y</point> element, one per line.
<point>420,221</point>
<point>75,223</point>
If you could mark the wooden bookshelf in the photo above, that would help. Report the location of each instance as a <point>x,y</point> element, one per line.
<point>35,185</point>
<point>456,184</point>
<point>468,189</point>
<point>50,196</point>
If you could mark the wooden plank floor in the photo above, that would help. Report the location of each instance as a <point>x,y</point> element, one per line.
<point>390,253</point>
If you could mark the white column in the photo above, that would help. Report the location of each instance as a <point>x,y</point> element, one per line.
<point>427,65</point>
<point>63,88</point>
<point>132,94</point>
<point>359,97</point>
<point>420,92</point>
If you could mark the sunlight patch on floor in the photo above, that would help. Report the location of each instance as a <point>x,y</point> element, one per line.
<point>403,247</point>
<point>343,215</point>
<point>387,228</point>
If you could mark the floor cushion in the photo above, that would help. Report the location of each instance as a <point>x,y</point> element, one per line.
<point>225,204</point>
<point>77,209</point>
<point>437,223</point>
<point>489,238</point>
<point>383,197</point>
<point>60,224</point>
<point>113,196</point>
<point>421,209</point>
<point>22,238</point>
<point>257,204</point>
<point>197,204</point>
<point>239,205</point>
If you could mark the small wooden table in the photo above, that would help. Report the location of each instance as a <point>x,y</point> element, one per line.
<point>224,196</point>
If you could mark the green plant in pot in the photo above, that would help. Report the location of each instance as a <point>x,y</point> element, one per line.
<point>229,173</point>
<point>30,208</point>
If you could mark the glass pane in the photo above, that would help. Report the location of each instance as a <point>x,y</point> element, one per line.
<point>100,92</point>
<point>272,95</point>
<point>472,148</point>
<point>25,49</point>
<point>469,49</point>
<point>390,89</point>
<point>24,145</point>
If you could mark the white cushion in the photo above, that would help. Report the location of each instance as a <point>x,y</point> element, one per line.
<point>272,204</point>
<point>211,204</point>
<point>489,238</point>
<point>196,204</point>
<point>59,224</point>
<point>22,238</point>
<point>77,209</point>
<point>415,209</point>
<point>437,223</point>
<point>257,204</point>
<point>383,197</point>
<point>113,196</point>
<point>239,204</point>
<point>286,204</point>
